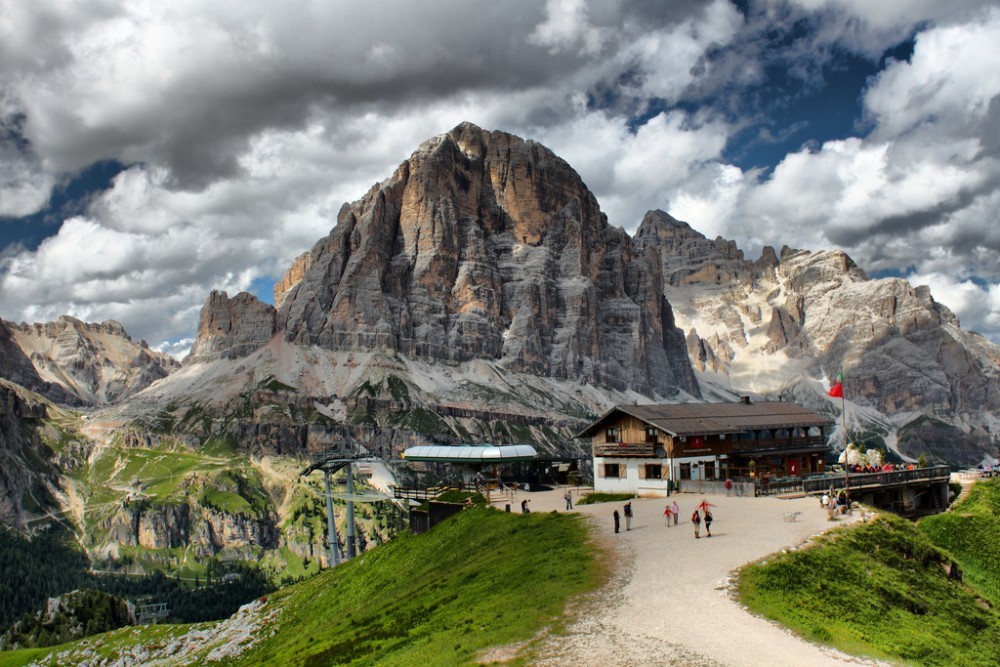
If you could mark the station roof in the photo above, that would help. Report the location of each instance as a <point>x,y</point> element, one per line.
<point>470,453</point>
<point>705,418</point>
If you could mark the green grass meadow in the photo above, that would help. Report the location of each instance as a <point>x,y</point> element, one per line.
<point>970,532</point>
<point>880,590</point>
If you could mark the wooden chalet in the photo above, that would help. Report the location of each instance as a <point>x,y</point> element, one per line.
<point>649,449</point>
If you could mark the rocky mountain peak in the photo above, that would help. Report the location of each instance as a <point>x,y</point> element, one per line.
<point>687,256</point>
<point>484,246</point>
<point>81,362</point>
<point>230,328</point>
<point>798,314</point>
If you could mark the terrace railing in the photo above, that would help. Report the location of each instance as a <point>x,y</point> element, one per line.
<point>862,480</point>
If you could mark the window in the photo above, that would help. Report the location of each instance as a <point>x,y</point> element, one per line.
<point>685,471</point>
<point>651,434</point>
<point>611,435</point>
<point>654,471</point>
<point>612,470</point>
<point>709,469</point>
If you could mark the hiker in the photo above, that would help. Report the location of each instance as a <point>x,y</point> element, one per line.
<point>667,512</point>
<point>824,502</point>
<point>628,516</point>
<point>696,520</point>
<point>676,509</point>
<point>729,487</point>
<point>708,523</point>
<point>616,520</point>
<point>569,499</point>
<point>524,506</point>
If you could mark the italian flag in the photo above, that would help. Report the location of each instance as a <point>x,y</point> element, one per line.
<point>837,390</point>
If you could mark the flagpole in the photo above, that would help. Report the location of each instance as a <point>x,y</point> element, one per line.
<point>847,458</point>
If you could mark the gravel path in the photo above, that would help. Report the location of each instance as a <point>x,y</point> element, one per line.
<point>669,601</point>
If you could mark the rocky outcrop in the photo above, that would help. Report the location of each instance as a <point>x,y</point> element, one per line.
<point>291,278</point>
<point>88,363</point>
<point>486,246</point>
<point>231,328</point>
<point>150,526</point>
<point>26,469</point>
<point>688,257</point>
<point>17,367</point>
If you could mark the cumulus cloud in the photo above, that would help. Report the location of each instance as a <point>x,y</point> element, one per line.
<point>919,192</point>
<point>244,127</point>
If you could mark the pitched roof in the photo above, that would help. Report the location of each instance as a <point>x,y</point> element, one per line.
<point>704,418</point>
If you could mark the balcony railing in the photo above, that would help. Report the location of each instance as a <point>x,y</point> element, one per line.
<point>737,447</point>
<point>869,479</point>
<point>646,449</point>
<point>775,446</point>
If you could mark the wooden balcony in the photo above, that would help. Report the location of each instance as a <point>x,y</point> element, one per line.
<point>777,446</point>
<point>640,449</point>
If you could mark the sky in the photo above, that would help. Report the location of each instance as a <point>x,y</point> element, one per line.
<point>151,152</point>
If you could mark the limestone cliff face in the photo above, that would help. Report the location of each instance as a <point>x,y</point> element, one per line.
<point>17,367</point>
<point>291,278</point>
<point>207,529</point>
<point>486,246</point>
<point>815,313</point>
<point>26,467</point>
<point>90,363</point>
<point>231,328</point>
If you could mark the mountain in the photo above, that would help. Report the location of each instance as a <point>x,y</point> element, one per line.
<point>75,362</point>
<point>485,246</point>
<point>478,294</point>
<point>915,380</point>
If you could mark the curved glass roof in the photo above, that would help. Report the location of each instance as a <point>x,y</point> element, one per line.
<point>470,453</point>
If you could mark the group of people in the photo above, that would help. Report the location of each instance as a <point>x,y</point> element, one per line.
<point>835,504</point>
<point>671,515</point>
<point>627,510</point>
<point>888,467</point>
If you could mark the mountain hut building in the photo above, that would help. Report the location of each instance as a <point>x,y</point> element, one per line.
<point>642,448</point>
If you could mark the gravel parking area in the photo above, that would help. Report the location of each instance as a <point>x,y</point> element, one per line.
<point>669,601</point>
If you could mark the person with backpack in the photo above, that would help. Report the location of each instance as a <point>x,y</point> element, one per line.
<point>696,521</point>
<point>628,516</point>
<point>708,523</point>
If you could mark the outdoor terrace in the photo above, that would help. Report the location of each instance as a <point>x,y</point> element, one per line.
<point>874,480</point>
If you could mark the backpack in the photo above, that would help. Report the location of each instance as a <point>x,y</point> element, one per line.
<point>695,518</point>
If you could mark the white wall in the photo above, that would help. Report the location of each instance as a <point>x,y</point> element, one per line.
<point>631,483</point>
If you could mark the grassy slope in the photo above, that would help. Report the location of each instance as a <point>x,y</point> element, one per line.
<point>878,590</point>
<point>971,533</point>
<point>483,578</point>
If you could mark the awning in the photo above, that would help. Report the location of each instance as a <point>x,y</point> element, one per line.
<point>470,453</point>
